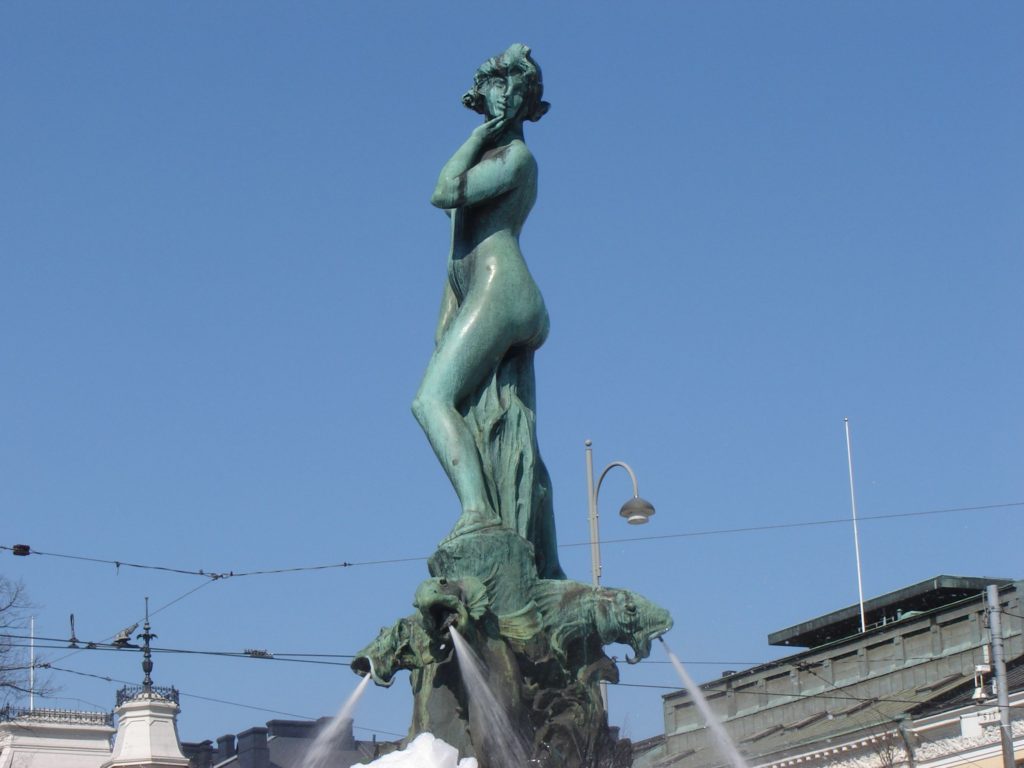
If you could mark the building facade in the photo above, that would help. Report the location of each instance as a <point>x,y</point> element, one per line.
<point>911,690</point>
<point>54,738</point>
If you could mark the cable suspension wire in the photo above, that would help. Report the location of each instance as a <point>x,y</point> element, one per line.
<point>163,607</point>
<point>87,646</point>
<point>24,550</point>
<point>625,685</point>
<point>805,524</point>
<point>316,658</point>
<point>843,697</point>
<point>218,701</point>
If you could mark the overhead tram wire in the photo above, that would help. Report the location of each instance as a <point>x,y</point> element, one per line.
<point>625,685</point>
<point>163,607</point>
<point>178,599</point>
<point>217,701</point>
<point>243,655</point>
<point>24,550</point>
<point>104,646</point>
<point>320,658</point>
<point>805,524</point>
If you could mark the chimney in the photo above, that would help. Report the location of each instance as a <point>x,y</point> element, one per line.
<point>252,749</point>
<point>225,747</point>
<point>342,737</point>
<point>199,754</point>
<point>292,729</point>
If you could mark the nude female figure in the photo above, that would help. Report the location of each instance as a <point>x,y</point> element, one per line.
<point>491,304</point>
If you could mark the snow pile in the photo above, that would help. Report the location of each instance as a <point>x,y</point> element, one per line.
<point>425,751</point>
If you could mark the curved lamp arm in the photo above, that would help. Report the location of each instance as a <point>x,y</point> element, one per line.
<point>625,466</point>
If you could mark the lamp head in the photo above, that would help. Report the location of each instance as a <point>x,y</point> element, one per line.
<point>637,511</point>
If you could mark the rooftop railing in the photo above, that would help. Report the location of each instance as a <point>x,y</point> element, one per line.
<point>130,692</point>
<point>49,715</point>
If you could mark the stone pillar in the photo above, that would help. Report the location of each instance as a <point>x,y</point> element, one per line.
<point>147,735</point>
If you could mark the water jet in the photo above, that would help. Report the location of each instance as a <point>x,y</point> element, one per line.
<point>721,739</point>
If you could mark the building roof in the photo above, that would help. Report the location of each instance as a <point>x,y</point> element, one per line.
<point>918,661</point>
<point>289,741</point>
<point>924,596</point>
<point>846,718</point>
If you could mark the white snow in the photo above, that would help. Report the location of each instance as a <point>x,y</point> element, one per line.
<point>425,751</point>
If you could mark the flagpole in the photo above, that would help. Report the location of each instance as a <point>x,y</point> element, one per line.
<point>856,537</point>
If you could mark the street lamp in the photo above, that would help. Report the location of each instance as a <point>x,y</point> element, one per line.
<point>637,511</point>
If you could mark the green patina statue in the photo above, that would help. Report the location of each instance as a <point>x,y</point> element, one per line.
<point>541,641</point>
<point>477,400</point>
<point>496,577</point>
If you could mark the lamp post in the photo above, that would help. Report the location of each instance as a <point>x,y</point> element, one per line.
<point>637,511</point>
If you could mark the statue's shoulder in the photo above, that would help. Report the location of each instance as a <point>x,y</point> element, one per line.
<point>515,152</point>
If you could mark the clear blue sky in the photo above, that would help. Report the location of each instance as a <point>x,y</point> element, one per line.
<point>219,275</point>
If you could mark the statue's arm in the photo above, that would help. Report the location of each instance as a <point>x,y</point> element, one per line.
<point>466,180</point>
<point>463,159</point>
<point>494,175</point>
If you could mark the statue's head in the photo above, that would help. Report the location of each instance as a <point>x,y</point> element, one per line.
<point>628,618</point>
<point>444,603</point>
<point>510,85</point>
<point>403,645</point>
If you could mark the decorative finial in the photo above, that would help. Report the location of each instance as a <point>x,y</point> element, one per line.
<point>147,657</point>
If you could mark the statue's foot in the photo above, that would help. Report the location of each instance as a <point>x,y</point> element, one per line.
<point>472,521</point>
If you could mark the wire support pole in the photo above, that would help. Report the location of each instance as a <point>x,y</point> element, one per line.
<point>856,536</point>
<point>595,537</point>
<point>995,631</point>
<point>32,665</point>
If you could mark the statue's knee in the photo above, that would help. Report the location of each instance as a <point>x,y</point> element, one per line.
<point>421,407</point>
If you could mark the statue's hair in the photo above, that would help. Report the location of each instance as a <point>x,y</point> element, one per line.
<point>516,59</point>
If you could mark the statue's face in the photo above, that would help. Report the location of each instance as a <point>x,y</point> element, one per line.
<point>504,95</point>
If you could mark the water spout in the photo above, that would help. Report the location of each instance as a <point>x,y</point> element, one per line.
<point>720,738</point>
<point>506,747</point>
<point>321,752</point>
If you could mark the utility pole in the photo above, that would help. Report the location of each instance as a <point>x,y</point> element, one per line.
<point>995,632</point>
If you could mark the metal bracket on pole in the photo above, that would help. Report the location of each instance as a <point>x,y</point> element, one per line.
<point>995,633</point>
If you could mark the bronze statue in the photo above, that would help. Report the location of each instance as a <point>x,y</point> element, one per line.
<point>476,402</point>
<point>496,577</point>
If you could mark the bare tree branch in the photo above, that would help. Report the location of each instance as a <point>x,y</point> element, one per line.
<point>14,662</point>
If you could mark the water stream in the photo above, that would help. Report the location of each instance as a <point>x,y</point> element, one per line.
<point>506,747</point>
<point>720,738</point>
<point>321,753</point>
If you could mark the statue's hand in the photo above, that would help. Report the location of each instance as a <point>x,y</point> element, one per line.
<point>489,131</point>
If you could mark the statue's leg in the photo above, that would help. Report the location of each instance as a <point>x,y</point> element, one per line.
<point>475,342</point>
